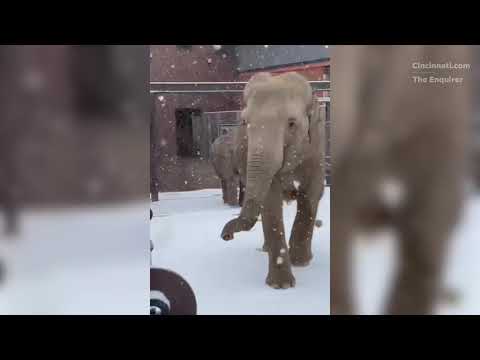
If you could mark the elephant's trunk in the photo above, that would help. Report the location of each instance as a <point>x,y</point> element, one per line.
<point>265,156</point>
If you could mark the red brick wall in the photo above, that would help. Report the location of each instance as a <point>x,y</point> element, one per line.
<point>168,63</point>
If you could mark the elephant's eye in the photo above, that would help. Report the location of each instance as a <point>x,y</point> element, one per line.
<point>291,123</point>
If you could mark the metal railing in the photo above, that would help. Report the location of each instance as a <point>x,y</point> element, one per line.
<point>205,87</point>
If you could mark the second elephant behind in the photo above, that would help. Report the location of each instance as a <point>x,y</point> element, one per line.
<point>227,157</point>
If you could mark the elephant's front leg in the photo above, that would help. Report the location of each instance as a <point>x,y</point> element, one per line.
<point>241,195</point>
<point>302,231</point>
<point>279,268</point>
<point>224,190</point>
<point>231,195</point>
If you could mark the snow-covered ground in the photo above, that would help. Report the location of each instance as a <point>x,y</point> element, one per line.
<point>87,260</point>
<point>375,262</point>
<point>229,277</point>
<point>96,260</point>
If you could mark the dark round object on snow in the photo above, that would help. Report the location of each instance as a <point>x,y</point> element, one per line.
<point>151,214</point>
<point>180,295</point>
<point>158,307</point>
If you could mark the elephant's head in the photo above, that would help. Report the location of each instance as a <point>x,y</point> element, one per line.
<point>277,114</point>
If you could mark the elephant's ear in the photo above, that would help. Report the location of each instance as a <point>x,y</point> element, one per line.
<point>301,86</point>
<point>314,116</point>
<point>243,117</point>
<point>253,83</point>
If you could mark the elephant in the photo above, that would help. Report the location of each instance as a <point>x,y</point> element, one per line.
<point>399,150</point>
<point>281,152</point>
<point>224,160</point>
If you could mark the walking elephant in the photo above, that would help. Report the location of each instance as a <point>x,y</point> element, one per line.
<point>226,165</point>
<point>281,156</point>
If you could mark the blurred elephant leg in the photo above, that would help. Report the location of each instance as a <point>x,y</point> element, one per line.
<point>341,297</point>
<point>279,267</point>
<point>11,219</point>
<point>424,232</point>
<point>9,204</point>
<point>342,230</point>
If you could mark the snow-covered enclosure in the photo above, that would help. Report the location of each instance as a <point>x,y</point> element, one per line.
<point>229,277</point>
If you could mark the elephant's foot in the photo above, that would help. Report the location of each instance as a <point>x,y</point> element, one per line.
<point>300,255</point>
<point>236,225</point>
<point>280,278</point>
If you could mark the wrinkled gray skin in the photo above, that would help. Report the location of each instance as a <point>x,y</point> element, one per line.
<point>226,167</point>
<point>283,143</point>
<point>387,127</point>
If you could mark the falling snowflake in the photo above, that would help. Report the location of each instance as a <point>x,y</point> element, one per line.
<point>209,60</point>
<point>172,66</point>
<point>217,47</point>
<point>195,62</point>
<point>186,182</point>
<point>266,46</point>
<point>163,142</point>
<point>161,98</point>
<point>224,56</point>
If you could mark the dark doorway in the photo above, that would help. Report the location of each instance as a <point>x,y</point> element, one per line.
<point>184,129</point>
